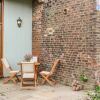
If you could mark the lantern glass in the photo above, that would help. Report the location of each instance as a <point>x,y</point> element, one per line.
<point>19,22</point>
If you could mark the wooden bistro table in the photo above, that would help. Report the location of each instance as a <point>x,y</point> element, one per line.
<point>35,66</point>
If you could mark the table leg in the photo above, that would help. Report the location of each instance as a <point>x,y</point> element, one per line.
<point>35,76</point>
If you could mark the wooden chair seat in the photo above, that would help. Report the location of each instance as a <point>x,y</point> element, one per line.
<point>45,72</point>
<point>28,75</point>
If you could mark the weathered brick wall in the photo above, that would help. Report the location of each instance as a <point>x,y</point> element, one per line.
<point>97,35</point>
<point>36,24</point>
<point>74,25</point>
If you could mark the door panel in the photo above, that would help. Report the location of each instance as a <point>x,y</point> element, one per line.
<point>1,23</point>
<point>0,50</point>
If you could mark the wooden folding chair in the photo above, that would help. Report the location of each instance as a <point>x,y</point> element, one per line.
<point>13,74</point>
<point>47,75</point>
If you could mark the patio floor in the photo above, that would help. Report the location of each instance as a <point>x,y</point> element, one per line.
<point>44,92</point>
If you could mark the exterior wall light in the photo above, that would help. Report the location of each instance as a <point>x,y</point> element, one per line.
<point>41,1</point>
<point>19,22</point>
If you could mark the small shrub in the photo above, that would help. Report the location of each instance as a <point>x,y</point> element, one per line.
<point>83,78</point>
<point>95,95</point>
<point>97,89</point>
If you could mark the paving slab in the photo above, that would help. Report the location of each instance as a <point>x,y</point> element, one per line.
<point>44,92</point>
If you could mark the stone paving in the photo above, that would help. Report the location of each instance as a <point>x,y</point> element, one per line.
<point>43,92</point>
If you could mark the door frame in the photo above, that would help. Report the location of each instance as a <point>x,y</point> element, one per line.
<point>2,34</point>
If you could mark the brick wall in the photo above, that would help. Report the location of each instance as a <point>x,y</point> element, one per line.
<point>97,35</point>
<point>73,23</point>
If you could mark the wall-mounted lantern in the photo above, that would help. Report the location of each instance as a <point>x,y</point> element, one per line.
<point>19,22</point>
<point>41,1</point>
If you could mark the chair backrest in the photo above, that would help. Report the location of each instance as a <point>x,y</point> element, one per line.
<point>6,64</point>
<point>27,68</point>
<point>54,66</point>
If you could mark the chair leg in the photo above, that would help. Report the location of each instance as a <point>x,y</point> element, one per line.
<point>35,79</point>
<point>6,81</point>
<point>35,83</point>
<point>53,80</point>
<point>10,78</point>
<point>21,82</point>
<point>47,79</point>
<point>43,81</point>
<point>17,78</point>
<point>14,81</point>
<point>14,76</point>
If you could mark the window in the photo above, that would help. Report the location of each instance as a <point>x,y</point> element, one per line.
<point>97,4</point>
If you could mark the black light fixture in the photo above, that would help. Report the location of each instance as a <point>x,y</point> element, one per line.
<point>41,1</point>
<point>19,22</point>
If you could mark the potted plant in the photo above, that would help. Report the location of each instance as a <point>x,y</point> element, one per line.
<point>83,78</point>
<point>28,57</point>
